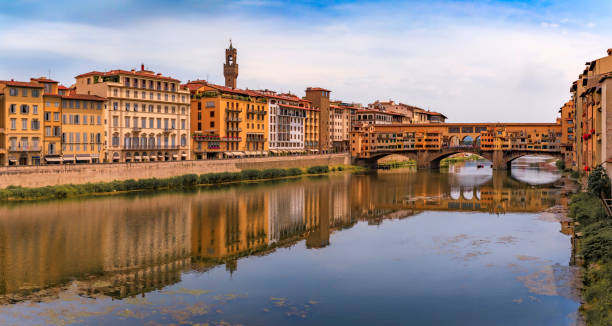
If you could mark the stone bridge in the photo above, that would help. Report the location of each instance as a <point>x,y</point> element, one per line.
<point>428,144</point>
<point>430,159</point>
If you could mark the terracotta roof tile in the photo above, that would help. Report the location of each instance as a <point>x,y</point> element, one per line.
<point>20,84</point>
<point>83,97</point>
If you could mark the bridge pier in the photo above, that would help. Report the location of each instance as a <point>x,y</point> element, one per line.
<point>498,161</point>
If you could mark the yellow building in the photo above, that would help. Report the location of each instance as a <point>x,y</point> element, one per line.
<point>21,107</point>
<point>52,128</point>
<point>82,128</point>
<point>227,122</point>
<point>311,128</point>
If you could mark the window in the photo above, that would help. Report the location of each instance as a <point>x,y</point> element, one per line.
<point>99,120</point>
<point>24,124</point>
<point>25,109</point>
<point>115,92</point>
<point>13,91</point>
<point>35,124</point>
<point>47,116</point>
<point>135,107</point>
<point>115,121</point>
<point>151,123</point>
<point>127,122</point>
<point>127,106</point>
<point>183,124</point>
<point>13,108</point>
<point>158,122</point>
<point>150,108</point>
<point>13,124</point>
<point>212,124</point>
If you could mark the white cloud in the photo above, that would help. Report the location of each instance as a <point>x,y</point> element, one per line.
<point>470,69</point>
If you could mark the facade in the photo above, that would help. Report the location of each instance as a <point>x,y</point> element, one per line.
<point>227,122</point>
<point>82,128</point>
<point>568,135</point>
<point>339,127</point>
<point>319,97</point>
<point>311,128</point>
<point>52,124</point>
<point>21,135</point>
<point>592,97</point>
<point>286,118</point>
<point>146,114</point>
<point>367,140</point>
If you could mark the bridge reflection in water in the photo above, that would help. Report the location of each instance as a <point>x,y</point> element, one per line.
<point>129,245</point>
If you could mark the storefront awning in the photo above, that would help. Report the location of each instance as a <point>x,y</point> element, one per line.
<point>53,159</point>
<point>228,153</point>
<point>239,154</point>
<point>175,156</point>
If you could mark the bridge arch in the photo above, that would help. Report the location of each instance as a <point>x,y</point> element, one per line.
<point>433,160</point>
<point>512,156</point>
<point>467,141</point>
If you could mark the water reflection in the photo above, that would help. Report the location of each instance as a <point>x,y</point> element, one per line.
<point>122,246</point>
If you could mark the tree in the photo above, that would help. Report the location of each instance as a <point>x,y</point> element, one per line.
<point>599,182</point>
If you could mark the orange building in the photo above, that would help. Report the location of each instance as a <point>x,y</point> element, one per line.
<point>227,122</point>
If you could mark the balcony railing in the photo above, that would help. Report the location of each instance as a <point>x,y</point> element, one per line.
<point>232,129</point>
<point>233,119</point>
<point>136,129</point>
<point>228,110</point>
<point>232,139</point>
<point>148,147</point>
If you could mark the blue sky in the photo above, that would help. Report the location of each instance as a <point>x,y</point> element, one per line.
<point>472,60</point>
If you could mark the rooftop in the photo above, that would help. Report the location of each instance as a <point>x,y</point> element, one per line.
<point>139,73</point>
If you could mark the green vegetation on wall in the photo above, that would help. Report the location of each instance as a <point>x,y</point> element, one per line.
<point>595,247</point>
<point>178,182</point>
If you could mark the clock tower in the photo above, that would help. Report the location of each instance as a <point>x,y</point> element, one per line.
<point>230,68</point>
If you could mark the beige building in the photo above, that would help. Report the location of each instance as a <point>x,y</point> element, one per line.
<point>146,114</point>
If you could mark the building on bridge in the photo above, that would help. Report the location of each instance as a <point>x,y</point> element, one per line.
<point>429,143</point>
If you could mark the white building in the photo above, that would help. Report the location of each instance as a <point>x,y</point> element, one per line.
<point>287,113</point>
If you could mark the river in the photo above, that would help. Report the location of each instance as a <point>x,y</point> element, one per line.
<point>462,246</point>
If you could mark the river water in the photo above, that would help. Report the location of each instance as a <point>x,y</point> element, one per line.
<point>463,246</point>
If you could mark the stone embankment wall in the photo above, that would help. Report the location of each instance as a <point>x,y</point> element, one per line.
<point>49,175</point>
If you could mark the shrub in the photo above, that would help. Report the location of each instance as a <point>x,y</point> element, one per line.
<point>294,171</point>
<point>190,180</point>
<point>575,175</point>
<point>251,174</point>
<point>560,165</point>
<point>586,208</point>
<point>318,169</point>
<point>599,182</point>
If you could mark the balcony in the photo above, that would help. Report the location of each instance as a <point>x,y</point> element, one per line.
<point>231,139</point>
<point>136,129</point>
<point>169,130</point>
<point>24,149</point>
<point>232,129</point>
<point>228,110</point>
<point>233,119</point>
<point>149,147</point>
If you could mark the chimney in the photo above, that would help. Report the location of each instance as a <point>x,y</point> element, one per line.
<point>610,52</point>
<point>142,67</point>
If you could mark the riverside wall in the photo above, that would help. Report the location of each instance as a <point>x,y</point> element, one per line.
<point>49,175</point>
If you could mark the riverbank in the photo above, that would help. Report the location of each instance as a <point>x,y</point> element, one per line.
<point>17,193</point>
<point>593,250</point>
<point>54,175</point>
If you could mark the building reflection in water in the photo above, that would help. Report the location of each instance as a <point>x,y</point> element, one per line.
<point>123,246</point>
